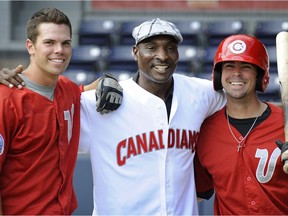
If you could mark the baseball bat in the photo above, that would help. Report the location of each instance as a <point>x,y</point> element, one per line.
<point>282,67</point>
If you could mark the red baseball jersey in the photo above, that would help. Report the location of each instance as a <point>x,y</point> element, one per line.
<point>248,182</point>
<point>38,149</point>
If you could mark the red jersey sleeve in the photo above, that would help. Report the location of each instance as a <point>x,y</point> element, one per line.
<point>203,181</point>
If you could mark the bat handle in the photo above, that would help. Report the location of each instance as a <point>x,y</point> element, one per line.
<point>284,158</point>
<point>285,166</point>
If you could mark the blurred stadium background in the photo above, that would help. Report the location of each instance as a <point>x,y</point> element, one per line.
<point>102,41</point>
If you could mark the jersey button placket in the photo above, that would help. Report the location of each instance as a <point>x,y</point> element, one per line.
<point>169,185</point>
<point>161,118</point>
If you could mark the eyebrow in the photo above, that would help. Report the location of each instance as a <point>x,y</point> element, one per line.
<point>50,39</point>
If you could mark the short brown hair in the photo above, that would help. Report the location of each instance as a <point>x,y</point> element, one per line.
<point>45,15</point>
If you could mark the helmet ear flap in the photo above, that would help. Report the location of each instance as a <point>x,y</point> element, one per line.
<point>259,79</point>
<point>217,72</point>
<point>262,80</point>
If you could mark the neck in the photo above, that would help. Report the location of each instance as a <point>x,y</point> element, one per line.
<point>157,88</point>
<point>39,78</point>
<point>245,110</point>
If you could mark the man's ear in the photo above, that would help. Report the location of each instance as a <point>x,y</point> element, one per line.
<point>30,46</point>
<point>134,52</point>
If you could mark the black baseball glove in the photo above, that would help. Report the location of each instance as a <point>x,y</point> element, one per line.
<point>108,93</point>
<point>284,154</point>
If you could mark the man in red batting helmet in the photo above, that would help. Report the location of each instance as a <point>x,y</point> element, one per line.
<point>236,153</point>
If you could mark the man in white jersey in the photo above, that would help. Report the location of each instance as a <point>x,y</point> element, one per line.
<point>142,154</point>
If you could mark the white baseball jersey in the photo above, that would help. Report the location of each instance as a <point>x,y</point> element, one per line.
<point>142,164</point>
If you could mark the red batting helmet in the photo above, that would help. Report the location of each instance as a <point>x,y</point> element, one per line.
<point>242,48</point>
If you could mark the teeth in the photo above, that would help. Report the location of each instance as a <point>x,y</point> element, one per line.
<point>161,67</point>
<point>237,83</point>
<point>57,60</point>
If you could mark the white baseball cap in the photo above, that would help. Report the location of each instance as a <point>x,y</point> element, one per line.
<point>156,27</point>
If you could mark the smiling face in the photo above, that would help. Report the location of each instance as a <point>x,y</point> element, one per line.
<point>239,79</point>
<point>157,58</point>
<point>50,53</point>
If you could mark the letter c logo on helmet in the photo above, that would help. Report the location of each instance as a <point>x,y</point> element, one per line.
<point>242,48</point>
<point>237,47</point>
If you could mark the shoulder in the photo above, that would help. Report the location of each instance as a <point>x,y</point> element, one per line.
<point>132,90</point>
<point>62,79</point>
<point>199,84</point>
<point>14,99</point>
<point>4,90</point>
<point>66,84</point>
<point>88,95</point>
<point>185,78</point>
<point>276,109</point>
<point>9,93</point>
<point>215,119</point>
<point>198,88</point>
<point>127,83</point>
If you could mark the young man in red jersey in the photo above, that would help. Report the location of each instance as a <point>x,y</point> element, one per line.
<point>39,125</point>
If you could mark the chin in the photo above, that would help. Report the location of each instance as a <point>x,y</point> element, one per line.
<point>57,72</point>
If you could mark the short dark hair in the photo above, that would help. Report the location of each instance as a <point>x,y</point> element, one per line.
<point>45,15</point>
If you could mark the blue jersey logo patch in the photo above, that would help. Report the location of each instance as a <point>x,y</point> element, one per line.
<point>1,145</point>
